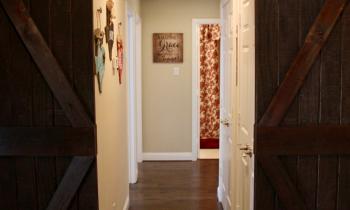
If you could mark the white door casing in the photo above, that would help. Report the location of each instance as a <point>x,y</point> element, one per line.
<point>134,92</point>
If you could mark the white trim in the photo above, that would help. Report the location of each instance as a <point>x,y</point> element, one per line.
<point>195,82</point>
<point>139,87</point>
<point>131,93</point>
<point>220,194</point>
<point>185,156</point>
<point>126,203</point>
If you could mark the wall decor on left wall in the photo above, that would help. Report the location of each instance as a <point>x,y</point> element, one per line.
<point>100,57</point>
<point>120,53</point>
<point>109,28</point>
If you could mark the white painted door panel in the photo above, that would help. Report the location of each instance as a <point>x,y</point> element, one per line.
<point>226,107</point>
<point>243,147</point>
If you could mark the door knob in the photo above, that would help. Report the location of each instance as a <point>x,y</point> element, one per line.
<point>247,150</point>
<point>225,122</point>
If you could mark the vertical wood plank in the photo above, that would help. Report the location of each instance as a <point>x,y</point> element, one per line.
<point>43,108</point>
<point>22,73</point>
<point>82,55</point>
<point>344,170</point>
<point>26,184</point>
<point>289,45</point>
<point>61,36</point>
<point>266,83</point>
<point>7,165</point>
<point>330,114</point>
<point>309,109</point>
<point>83,77</point>
<point>28,101</point>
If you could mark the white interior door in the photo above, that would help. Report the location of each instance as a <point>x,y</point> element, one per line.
<point>226,105</point>
<point>246,106</point>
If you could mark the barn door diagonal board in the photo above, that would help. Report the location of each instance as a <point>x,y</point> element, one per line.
<point>79,140</point>
<point>286,93</point>
<point>70,183</point>
<point>303,62</point>
<point>47,63</point>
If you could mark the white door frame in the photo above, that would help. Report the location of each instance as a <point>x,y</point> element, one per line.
<point>134,92</point>
<point>196,82</point>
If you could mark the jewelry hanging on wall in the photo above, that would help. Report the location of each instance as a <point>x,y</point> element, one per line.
<point>99,50</point>
<point>120,51</point>
<point>109,29</point>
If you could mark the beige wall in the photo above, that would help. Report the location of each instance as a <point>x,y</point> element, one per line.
<point>111,119</point>
<point>167,99</point>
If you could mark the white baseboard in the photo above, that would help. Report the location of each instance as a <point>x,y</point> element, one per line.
<point>220,194</point>
<point>126,204</point>
<point>168,156</point>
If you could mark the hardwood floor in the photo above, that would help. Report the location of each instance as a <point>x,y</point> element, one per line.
<point>176,186</point>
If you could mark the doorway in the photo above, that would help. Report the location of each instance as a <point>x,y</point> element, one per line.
<point>206,86</point>
<point>209,91</point>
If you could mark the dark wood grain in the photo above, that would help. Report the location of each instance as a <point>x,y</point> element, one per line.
<point>70,183</point>
<point>303,62</point>
<point>287,193</point>
<point>288,46</point>
<point>47,63</point>
<point>22,106</point>
<point>43,114</point>
<point>267,70</point>
<point>54,141</point>
<point>288,101</point>
<point>176,185</point>
<point>8,186</point>
<point>61,35</point>
<point>344,161</point>
<point>330,109</point>
<point>28,182</point>
<point>309,109</point>
<point>310,140</point>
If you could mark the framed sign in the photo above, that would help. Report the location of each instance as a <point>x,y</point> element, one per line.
<point>168,48</point>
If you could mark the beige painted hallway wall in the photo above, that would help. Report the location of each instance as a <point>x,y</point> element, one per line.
<point>167,99</point>
<point>111,120</point>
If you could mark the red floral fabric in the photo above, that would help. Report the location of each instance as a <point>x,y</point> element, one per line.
<point>209,81</point>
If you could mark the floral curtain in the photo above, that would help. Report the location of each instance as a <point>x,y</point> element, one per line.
<point>209,81</point>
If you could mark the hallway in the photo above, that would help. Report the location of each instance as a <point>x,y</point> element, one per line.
<point>175,186</point>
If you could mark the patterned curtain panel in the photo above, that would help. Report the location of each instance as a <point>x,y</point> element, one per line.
<point>209,82</point>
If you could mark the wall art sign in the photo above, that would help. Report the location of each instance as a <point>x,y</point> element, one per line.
<point>168,47</point>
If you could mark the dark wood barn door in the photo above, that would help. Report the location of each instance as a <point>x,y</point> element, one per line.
<point>303,86</point>
<point>47,119</point>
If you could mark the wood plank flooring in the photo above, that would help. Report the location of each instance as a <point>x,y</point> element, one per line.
<point>176,186</point>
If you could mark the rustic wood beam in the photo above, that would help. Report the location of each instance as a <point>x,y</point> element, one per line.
<point>287,92</point>
<point>51,141</point>
<point>47,63</point>
<point>70,183</point>
<point>279,178</point>
<point>314,140</point>
<point>303,62</point>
